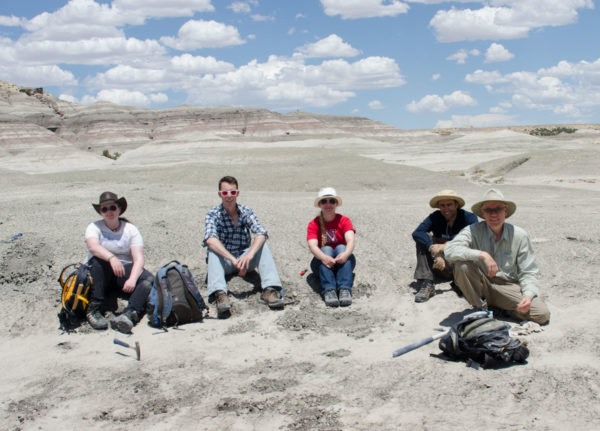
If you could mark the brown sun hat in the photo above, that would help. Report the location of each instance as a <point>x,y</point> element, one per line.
<point>444,195</point>
<point>108,197</point>
<point>494,195</point>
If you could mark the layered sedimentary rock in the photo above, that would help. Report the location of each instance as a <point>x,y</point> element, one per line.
<point>31,117</point>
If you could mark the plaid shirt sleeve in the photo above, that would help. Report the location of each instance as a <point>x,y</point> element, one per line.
<point>210,225</point>
<point>251,221</point>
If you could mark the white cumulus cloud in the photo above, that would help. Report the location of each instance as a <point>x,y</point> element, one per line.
<point>485,77</point>
<point>197,34</point>
<point>68,98</point>
<point>565,89</point>
<point>331,46</point>
<point>126,97</point>
<point>99,51</point>
<point>242,6</point>
<point>137,11</point>
<point>353,9</point>
<point>376,105</point>
<point>196,64</point>
<point>289,83</point>
<point>38,76</point>
<point>461,55</point>
<point>10,21</point>
<point>434,103</point>
<point>496,53</point>
<point>261,18</point>
<point>504,19</point>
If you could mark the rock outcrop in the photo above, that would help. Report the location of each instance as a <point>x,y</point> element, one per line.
<point>31,117</point>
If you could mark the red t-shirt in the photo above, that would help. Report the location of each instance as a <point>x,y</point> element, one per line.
<point>334,230</point>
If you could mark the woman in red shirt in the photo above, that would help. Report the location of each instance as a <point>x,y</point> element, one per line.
<point>330,239</point>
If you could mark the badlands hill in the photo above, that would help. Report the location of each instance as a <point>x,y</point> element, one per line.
<point>33,112</point>
<point>40,133</point>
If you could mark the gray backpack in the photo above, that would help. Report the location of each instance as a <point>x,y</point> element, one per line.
<point>484,340</point>
<point>174,298</point>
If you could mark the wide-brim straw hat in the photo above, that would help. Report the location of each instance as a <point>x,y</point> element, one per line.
<point>328,192</point>
<point>444,195</point>
<point>108,197</point>
<point>494,195</point>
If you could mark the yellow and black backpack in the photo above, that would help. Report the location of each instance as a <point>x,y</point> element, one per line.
<point>76,289</point>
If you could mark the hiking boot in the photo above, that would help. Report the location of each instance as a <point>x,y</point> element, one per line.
<point>222,301</point>
<point>345,297</point>
<point>331,299</point>
<point>95,317</point>
<point>124,322</point>
<point>271,297</point>
<point>426,291</point>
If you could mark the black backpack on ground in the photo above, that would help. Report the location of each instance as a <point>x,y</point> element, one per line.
<point>484,340</point>
<point>76,289</point>
<point>174,298</point>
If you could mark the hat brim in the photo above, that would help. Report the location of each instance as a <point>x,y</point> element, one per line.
<point>337,198</point>
<point>121,203</point>
<point>511,207</point>
<point>434,202</point>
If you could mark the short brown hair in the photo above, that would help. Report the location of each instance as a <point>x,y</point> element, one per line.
<point>228,179</point>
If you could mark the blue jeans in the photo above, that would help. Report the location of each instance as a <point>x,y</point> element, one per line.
<point>338,277</point>
<point>219,267</point>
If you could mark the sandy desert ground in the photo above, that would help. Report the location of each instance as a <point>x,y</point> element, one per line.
<point>306,367</point>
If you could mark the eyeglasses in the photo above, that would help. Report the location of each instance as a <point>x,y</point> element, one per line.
<point>495,210</point>
<point>110,208</point>
<point>229,192</point>
<point>331,201</point>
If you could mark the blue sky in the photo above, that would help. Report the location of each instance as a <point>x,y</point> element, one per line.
<point>413,64</point>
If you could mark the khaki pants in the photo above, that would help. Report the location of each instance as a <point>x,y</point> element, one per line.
<point>475,285</point>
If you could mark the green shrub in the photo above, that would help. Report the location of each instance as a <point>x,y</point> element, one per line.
<point>542,131</point>
<point>114,155</point>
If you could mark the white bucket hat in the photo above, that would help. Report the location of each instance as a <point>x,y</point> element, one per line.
<point>494,195</point>
<point>328,192</point>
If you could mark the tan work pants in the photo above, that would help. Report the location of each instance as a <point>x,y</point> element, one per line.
<point>475,285</point>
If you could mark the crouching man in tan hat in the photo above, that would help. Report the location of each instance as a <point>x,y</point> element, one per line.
<point>431,236</point>
<point>495,261</point>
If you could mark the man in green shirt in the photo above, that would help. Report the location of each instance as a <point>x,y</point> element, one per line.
<point>495,261</point>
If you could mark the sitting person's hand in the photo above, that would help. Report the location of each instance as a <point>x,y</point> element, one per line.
<point>328,261</point>
<point>436,250</point>
<point>439,263</point>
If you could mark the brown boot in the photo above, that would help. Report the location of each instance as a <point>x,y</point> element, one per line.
<point>222,301</point>
<point>271,297</point>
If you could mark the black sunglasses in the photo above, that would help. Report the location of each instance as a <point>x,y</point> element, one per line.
<point>110,208</point>
<point>331,201</point>
<point>493,210</point>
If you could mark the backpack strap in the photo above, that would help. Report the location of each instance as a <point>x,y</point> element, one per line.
<point>164,301</point>
<point>62,273</point>
<point>191,286</point>
<point>77,285</point>
<point>84,282</point>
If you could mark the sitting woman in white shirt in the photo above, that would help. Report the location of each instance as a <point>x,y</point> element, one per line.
<point>116,260</point>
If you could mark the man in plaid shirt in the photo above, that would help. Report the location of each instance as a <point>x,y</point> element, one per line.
<point>231,248</point>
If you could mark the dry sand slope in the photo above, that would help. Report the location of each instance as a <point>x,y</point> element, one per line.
<point>306,367</point>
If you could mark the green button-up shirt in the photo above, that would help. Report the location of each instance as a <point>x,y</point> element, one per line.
<point>513,253</point>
